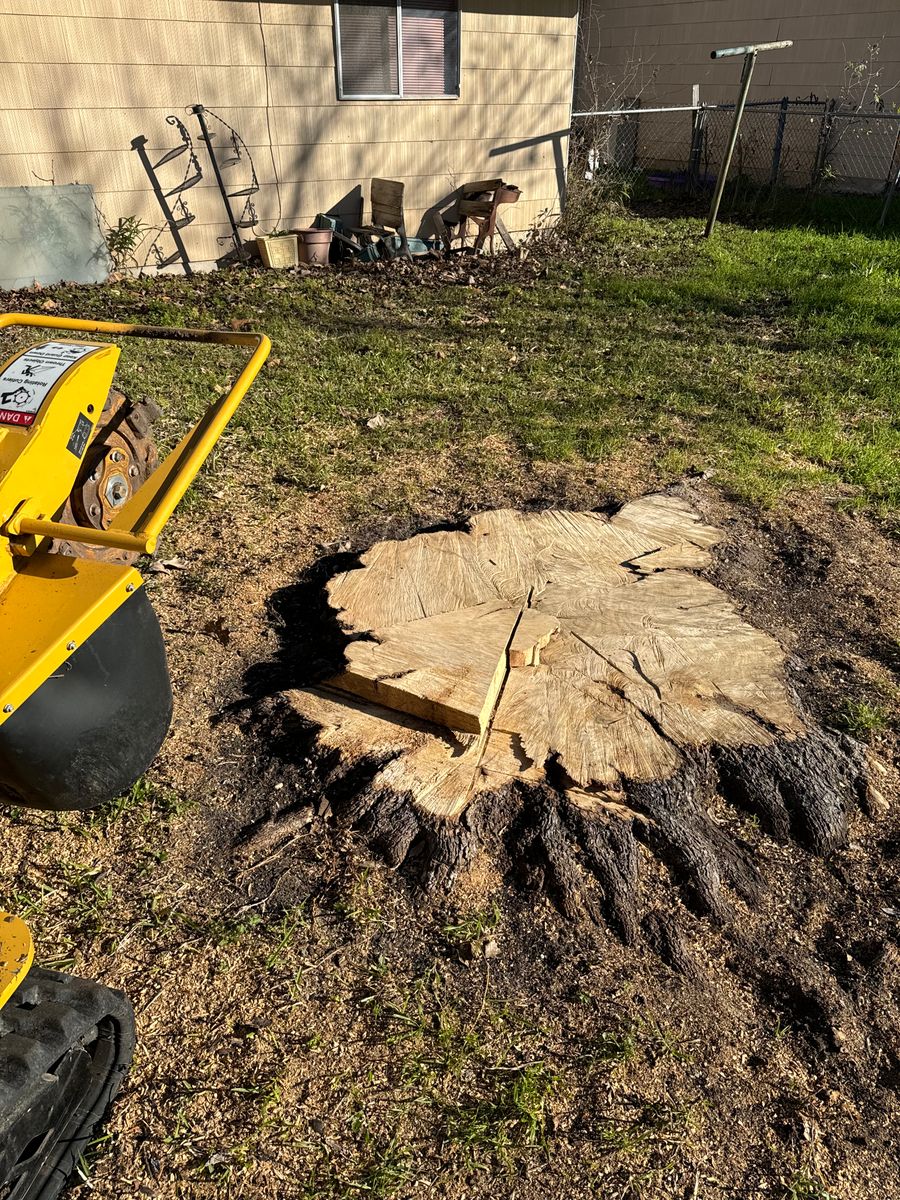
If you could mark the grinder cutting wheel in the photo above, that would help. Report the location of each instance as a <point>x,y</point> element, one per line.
<point>119,459</point>
<point>85,697</point>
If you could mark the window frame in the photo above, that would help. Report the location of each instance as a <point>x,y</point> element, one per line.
<point>398,95</point>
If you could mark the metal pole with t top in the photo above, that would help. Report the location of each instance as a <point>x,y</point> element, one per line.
<point>893,184</point>
<point>749,53</point>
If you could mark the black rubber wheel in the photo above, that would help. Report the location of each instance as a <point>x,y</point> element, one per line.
<point>96,724</point>
<point>65,1046</point>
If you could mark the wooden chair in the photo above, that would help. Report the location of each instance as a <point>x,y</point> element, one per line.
<point>388,220</point>
<point>480,204</point>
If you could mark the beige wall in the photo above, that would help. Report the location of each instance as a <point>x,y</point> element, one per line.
<point>81,78</point>
<point>672,41</point>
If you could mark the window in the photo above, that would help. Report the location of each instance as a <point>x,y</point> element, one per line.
<point>397,50</point>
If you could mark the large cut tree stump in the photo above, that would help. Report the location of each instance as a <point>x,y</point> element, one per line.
<point>556,685</point>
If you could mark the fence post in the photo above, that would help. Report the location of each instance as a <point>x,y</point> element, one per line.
<point>822,147</point>
<point>625,143</point>
<point>698,129</point>
<point>779,140</point>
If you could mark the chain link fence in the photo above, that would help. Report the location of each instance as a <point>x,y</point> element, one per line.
<point>799,152</point>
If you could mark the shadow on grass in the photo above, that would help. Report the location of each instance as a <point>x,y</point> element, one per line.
<point>752,207</point>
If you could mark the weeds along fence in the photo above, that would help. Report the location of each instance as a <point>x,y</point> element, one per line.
<point>789,151</point>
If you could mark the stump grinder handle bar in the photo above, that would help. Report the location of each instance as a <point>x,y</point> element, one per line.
<point>139,523</point>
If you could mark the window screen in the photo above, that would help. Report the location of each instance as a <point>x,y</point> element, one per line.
<point>368,44</point>
<point>387,50</point>
<point>430,50</point>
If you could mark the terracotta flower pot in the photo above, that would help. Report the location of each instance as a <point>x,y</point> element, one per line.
<point>314,245</point>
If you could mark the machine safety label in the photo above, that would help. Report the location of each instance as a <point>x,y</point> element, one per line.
<point>81,432</point>
<point>27,380</point>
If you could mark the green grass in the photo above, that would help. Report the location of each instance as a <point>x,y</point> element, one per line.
<point>514,1113</point>
<point>770,356</point>
<point>614,1048</point>
<point>473,928</point>
<point>806,1185</point>
<point>357,902</point>
<point>144,803</point>
<point>862,718</point>
<point>654,1124</point>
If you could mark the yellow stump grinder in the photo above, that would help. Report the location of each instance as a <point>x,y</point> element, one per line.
<point>85,698</point>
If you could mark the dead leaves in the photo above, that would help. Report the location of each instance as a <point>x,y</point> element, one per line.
<point>163,566</point>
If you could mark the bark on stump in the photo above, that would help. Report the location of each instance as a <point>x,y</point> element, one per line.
<point>557,687</point>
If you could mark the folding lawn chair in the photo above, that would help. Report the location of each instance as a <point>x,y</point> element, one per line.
<point>388,221</point>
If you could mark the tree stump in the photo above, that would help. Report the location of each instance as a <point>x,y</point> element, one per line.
<point>560,687</point>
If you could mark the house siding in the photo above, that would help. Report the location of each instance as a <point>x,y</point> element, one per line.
<point>672,42</point>
<point>81,78</point>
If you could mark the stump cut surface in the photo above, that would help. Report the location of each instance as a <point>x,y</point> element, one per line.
<point>529,642</point>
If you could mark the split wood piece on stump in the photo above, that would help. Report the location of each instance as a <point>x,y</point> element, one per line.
<point>446,668</point>
<point>431,768</point>
<point>575,661</point>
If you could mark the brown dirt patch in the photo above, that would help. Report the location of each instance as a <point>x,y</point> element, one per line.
<point>320,1031</point>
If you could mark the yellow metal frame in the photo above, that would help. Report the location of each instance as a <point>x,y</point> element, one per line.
<point>16,954</point>
<point>50,604</point>
<point>138,525</point>
<point>49,609</point>
<point>37,466</point>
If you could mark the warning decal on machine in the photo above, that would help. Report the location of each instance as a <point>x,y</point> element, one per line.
<point>27,380</point>
<point>77,443</point>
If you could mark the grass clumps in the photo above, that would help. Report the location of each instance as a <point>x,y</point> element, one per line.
<point>770,357</point>
<point>806,1185</point>
<point>863,718</point>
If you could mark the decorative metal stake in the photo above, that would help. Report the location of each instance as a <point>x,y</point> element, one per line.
<point>174,219</point>
<point>248,216</point>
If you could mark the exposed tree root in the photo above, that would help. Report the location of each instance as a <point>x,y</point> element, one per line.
<point>799,789</point>
<point>588,856</point>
